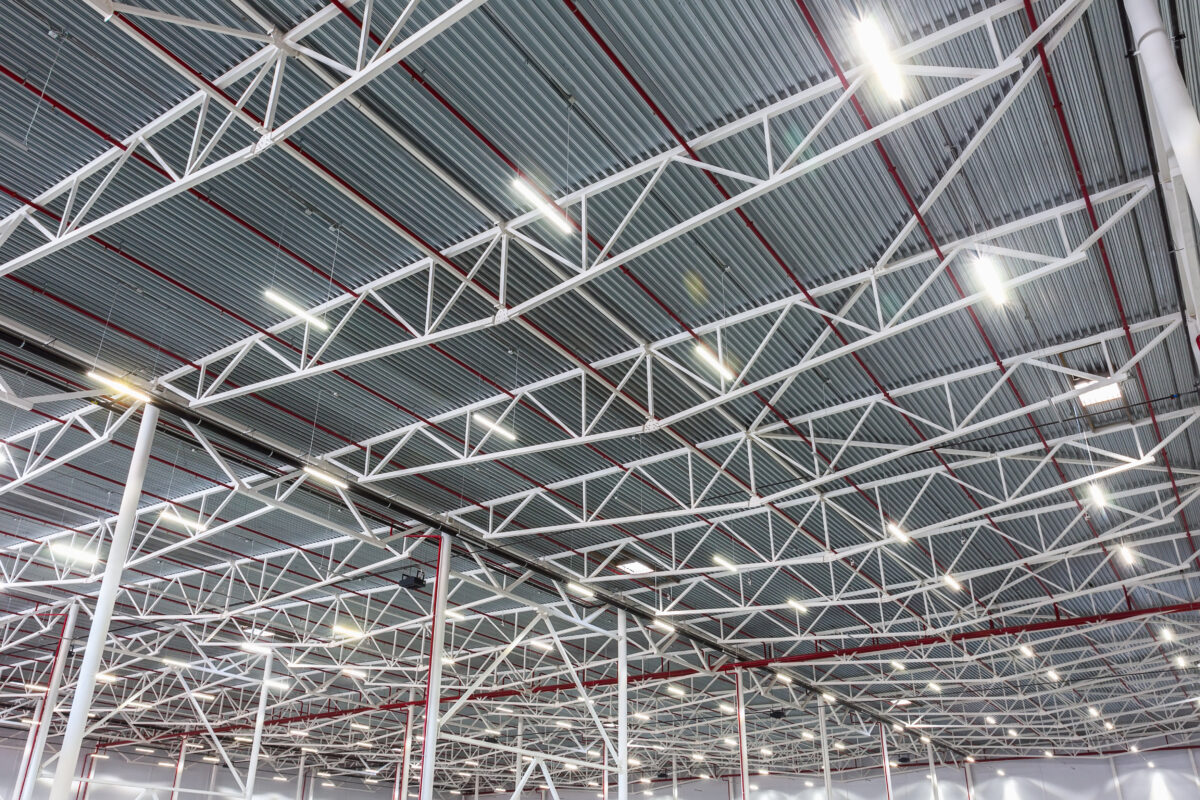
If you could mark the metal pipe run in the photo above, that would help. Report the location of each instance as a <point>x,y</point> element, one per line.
<point>1170,95</point>
<point>114,566</point>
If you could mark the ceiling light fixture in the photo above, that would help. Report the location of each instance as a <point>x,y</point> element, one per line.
<point>899,533</point>
<point>725,563</point>
<point>580,590</point>
<point>295,309</point>
<point>325,477</point>
<point>552,212</point>
<point>798,606</point>
<point>952,582</point>
<point>635,568</point>
<point>121,388</point>
<point>707,355</point>
<point>878,54</point>
<point>69,552</point>
<point>1096,495</point>
<point>987,272</point>
<point>495,427</point>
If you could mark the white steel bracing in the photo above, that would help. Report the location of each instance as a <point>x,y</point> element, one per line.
<point>669,556</point>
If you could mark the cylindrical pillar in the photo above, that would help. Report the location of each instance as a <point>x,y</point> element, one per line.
<point>622,707</point>
<point>887,765</point>
<point>935,792</point>
<point>29,776</point>
<point>824,750</point>
<point>106,598</point>
<point>433,685</point>
<point>400,790</point>
<point>179,764</point>
<point>1169,94</point>
<point>743,756</point>
<point>300,777</point>
<point>260,717</point>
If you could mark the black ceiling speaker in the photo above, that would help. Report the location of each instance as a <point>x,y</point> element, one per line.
<point>412,580</point>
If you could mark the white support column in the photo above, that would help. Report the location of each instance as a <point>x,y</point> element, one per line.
<point>433,686</point>
<point>179,765</point>
<point>28,778</point>
<point>300,777</point>
<point>968,780</point>
<point>1169,94</point>
<point>400,789</point>
<point>743,756</point>
<point>1117,793</point>
<point>622,707</point>
<point>260,717</point>
<point>935,793</point>
<point>887,764</point>
<point>114,566</point>
<point>824,750</point>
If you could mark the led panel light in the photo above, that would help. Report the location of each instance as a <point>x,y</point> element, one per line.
<point>635,568</point>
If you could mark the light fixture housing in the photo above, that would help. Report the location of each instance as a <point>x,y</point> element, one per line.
<point>878,53</point>
<point>551,212</point>
<point>295,309</point>
<point>709,357</point>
